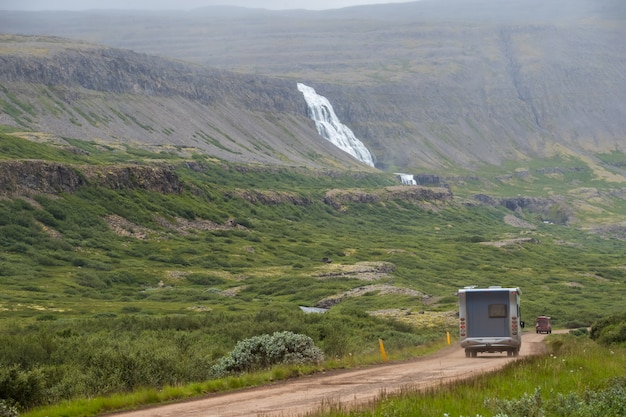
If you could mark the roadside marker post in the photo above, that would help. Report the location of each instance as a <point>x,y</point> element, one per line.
<point>382,349</point>
<point>448,337</point>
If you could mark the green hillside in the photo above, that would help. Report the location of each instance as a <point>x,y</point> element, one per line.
<point>118,258</point>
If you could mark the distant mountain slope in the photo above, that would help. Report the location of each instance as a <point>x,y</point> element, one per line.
<point>118,97</point>
<point>435,84</point>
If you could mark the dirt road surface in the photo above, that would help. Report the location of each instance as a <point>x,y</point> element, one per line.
<point>346,388</point>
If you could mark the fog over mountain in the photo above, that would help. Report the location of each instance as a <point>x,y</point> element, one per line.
<point>424,85</point>
<point>34,5</point>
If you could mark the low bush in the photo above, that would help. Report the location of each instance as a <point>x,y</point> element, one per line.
<point>204,279</point>
<point>610,330</point>
<point>263,351</point>
<point>610,401</point>
<point>7,409</point>
<point>21,387</point>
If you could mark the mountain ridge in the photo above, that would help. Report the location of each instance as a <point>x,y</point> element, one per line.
<point>423,93</point>
<point>120,97</point>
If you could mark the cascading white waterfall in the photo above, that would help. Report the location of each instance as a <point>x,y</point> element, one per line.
<point>330,128</point>
<point>407,179</point>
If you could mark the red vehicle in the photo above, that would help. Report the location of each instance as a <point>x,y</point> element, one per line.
<point>542,325</point>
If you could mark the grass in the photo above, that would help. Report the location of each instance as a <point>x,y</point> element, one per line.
<point>145,397</point>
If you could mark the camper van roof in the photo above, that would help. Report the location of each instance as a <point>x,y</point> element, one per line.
<point>492,288</point>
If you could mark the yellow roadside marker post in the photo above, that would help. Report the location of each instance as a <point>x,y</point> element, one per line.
<point>382,349</point>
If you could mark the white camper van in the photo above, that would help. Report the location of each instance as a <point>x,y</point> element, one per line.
<point>489,320</point>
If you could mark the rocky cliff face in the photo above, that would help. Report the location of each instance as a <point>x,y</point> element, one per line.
<point>486,94</point>
<point>55,62</point>
<point>22,177</point>
<point>123,98</point>
<point>19,178</point>
<point>415,194</point>
<point>31,177</point>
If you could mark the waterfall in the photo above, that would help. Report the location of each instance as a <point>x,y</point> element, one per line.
<point>330,128</point>
<point>407,179</point>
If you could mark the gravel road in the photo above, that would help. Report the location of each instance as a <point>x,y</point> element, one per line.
<point>347,387</point>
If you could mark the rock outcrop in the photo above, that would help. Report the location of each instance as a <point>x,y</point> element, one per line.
<point>42,177</point>
<point>338,198</point>
<point>269,197</point>
<point>548,209</point>
<point>24,177</point>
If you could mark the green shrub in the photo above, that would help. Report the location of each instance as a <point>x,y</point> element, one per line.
<point>336,340</point>
<point>614,334</point>
<point>529,405</point>
<point>18,386</point>
<point>243,222</point>
<point>579,332</point>
<point>263,351</point>
<point>91,280</point>
<point>609,330</point>
<point>7,410</point>
<point>610,401</point>
<point>204,279</point>
<point>129,278</point>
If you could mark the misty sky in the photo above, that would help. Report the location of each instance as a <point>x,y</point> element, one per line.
<point>182,4</point>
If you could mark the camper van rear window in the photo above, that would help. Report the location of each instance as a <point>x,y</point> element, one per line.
<point>497,310</point>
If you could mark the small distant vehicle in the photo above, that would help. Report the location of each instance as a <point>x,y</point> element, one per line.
<point>543,325</point>
<point>489,320</point>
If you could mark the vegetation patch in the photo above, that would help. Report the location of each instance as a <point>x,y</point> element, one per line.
<point>363,271</point>
<point>421,319</point>
<point>380,289</point>
<point>145,273</point>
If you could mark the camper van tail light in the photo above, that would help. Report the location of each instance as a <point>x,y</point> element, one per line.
<point>462,327</point>
<point>514,326</point>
